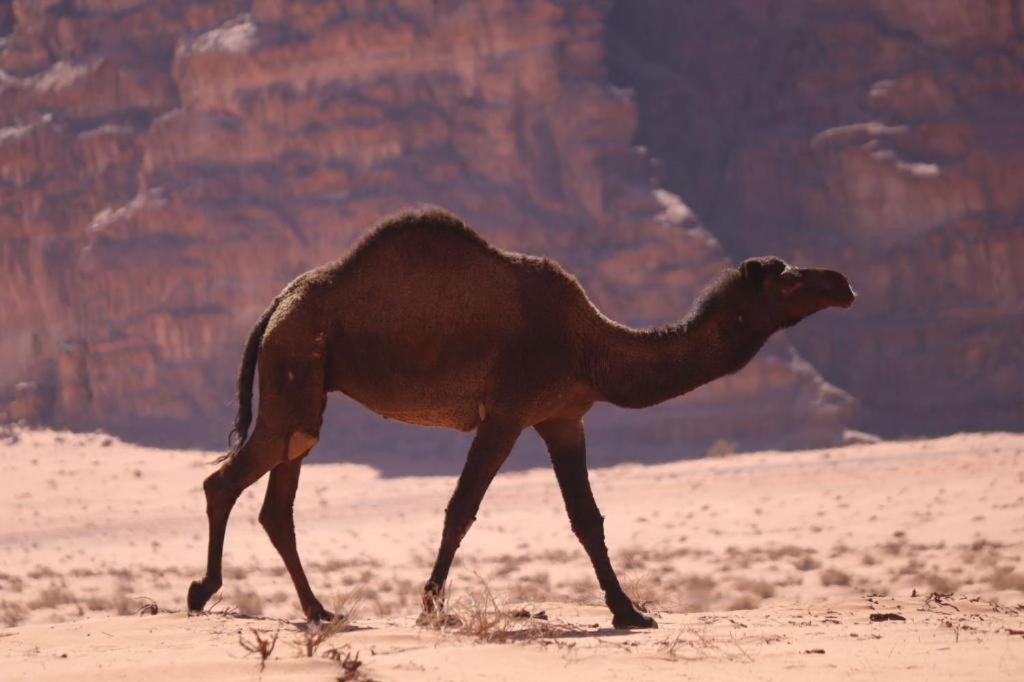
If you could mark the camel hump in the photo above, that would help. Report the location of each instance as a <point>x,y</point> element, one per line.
<point>427,222</point>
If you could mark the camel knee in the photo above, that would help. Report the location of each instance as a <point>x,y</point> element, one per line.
<point>299,443</point>
<point>219,495</point>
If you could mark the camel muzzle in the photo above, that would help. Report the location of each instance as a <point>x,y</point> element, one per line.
<point>834,285</point>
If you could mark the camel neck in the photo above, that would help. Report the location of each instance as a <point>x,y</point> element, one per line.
<point>643,367</point>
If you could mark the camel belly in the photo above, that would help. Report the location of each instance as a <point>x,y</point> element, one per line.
<point>462,415</point>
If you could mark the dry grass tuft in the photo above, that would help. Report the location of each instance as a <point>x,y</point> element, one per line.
<point>481,615</point>
<point>315,634</point>
<point>692,644</point>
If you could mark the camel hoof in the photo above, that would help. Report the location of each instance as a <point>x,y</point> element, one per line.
<point>319,616</point>
<point>198,595</point>
<point>634,620</point>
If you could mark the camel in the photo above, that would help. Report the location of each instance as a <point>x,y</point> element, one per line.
<point>425,322</point>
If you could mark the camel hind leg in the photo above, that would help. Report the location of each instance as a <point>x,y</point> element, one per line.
<point>277,519</point>
<point>259,455</point>
<point>292,401</point>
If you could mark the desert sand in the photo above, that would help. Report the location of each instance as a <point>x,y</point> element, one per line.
<point>760,566</point>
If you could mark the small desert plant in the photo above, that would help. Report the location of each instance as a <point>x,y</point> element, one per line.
<point>721,448</point>
<point>743,602</point>
<point>56,594</point>
<point>147,606</point>
<point>12,613</point>
<point>643,590</point>
<point>351,666</point>
<point>1007,579</point>
<point>257,644</point>
<point>806,563</point>
<point>762,588</point>
<point>834,576</point>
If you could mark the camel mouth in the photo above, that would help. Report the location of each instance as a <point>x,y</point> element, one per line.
<point>846,298</point>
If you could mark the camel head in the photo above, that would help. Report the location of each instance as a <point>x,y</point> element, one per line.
<point>786,294</point>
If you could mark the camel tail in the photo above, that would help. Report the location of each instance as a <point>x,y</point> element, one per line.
<point>246,375</point>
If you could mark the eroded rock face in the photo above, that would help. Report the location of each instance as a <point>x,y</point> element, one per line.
<point>883,138</point>
<point>166,167</point>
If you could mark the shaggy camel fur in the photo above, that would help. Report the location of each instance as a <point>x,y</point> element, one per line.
<point>425,322</point>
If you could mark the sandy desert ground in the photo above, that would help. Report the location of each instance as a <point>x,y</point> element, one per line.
<point>762,566</point>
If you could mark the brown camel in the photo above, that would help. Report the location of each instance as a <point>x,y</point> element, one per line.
<point>425,322</point>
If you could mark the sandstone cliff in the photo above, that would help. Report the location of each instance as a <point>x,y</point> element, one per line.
<point>886,137</point>
<point>166,166</point>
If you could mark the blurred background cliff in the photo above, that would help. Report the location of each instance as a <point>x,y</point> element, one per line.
<point>167,166</point>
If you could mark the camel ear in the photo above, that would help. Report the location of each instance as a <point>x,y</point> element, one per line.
<point>753,270</point>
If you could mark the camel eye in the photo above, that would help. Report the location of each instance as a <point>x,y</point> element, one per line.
<point>791,279</point>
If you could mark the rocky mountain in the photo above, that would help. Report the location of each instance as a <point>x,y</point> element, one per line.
<point>886,136</point>
<point>167,166</point>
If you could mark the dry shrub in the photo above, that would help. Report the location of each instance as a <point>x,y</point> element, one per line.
<point>277,597</point>
<point>942,584</point>
<point>98,603</point>
<point>507,565</point>
<point>893,547</point>
<point>480,615</point>
<point>783,551</point>
<point>532,588</point>
<point>692,644</point>
<point>868,559</point>
<point>806,563</point>
<point>633,558</point>
<point>57,594</point>
<point>315,634</point>
<point>697,592</point>
<point>721,448</point>
<point>12,613</point>
<point>762,588</point>
<point>834,576</point>
<point>248,601</point>
<point>40,572</point>
<point>351,666</point>
<point>257,644</point>
<point>644,590</point>
<point>743,602</point>
<point>1007,579</point>
<point>14,583</point>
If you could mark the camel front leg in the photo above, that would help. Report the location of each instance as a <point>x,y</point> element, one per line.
<point>491,446</point>
<point>567,447</point>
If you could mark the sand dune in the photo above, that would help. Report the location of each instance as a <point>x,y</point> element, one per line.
<point>749,561</point>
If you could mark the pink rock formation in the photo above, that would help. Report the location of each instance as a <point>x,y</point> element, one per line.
<point>166,166</point>
<point>885,137</point>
